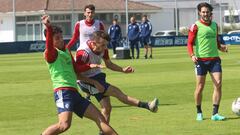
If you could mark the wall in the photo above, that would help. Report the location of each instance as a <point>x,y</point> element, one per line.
<point>6,28</point>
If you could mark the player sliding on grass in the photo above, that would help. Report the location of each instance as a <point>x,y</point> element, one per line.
<point>89,57</point>
<point>67,97</point>
<point>204,35</point>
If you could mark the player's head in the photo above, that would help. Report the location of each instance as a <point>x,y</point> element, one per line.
<point>100,40</point>
<point>144,18</point>
<point>115,21</point>
<point>132,19</point>
<point>57,37</point>
<point>205,11</point>
<point>89,11</point>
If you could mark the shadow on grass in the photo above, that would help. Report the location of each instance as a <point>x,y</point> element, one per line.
<point>122,106</point>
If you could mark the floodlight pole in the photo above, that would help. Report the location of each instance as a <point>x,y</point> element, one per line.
<point>220,8</point>
<point>176,17</point>
<point>126,8</point>
<point>72,19</point>
<point>14,20</point>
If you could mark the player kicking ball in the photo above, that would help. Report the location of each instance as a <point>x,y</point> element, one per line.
<point>89,57</point>
<point>63,76</point>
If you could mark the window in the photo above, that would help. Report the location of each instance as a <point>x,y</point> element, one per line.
<point>21,32</point>
<point>63,21</point>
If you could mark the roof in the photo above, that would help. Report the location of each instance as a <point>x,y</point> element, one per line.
<point>66,5</point>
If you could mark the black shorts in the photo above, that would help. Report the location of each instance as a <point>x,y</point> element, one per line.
<point>72,101</point>
<point>91,89</point>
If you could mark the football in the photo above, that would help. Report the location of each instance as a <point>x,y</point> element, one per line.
<point>236,106</point>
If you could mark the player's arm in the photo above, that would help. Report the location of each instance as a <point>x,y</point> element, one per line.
<point>75,36</point>
<point>82,62</point>
<point>102,26</point>
<point>191,40</point>
<point>222,48</point>
<point>50,53</point>
<point>109,64</point>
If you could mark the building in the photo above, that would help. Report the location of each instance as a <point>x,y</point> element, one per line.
<point>20,19</point>
<point>169,19</point>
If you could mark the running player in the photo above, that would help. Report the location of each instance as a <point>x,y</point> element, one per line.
<point>63,76</point>
<point>92,53</point>
<point>204,35</point>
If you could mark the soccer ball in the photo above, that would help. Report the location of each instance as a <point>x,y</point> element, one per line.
<point>236,106</point>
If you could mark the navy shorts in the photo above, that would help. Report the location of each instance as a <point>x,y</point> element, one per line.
<point>72,101</point>
<point>202,67</point>
<point>145,41</point>
<point>91,89</point>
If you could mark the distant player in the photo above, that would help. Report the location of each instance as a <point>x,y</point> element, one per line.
<point>63,76</point>
<point>115,34</point>
<point>133,36</point>
<point>145,33</point>
<point>92,53</point>
<point>204,35</point>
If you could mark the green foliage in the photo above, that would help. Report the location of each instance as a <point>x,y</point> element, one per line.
<point>27,104</point>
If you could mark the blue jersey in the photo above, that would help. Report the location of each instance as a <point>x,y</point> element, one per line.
<point>133,31</point>
<point>145,29</point>
<point>115,32</point>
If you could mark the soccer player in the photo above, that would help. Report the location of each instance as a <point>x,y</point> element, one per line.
<point>145,33</point>
<point>92,53</point>
<point>115,34</point>
<point>133,36</point>
<point>63,76</point>
<point>204,35</point>
<point>84,28</point>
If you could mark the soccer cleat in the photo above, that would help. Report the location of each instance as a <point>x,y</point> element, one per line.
<point>199,117</point>
<point>145,56</point>
<point>217,117</point>
<point>153,105</point>
<point>114,56</point>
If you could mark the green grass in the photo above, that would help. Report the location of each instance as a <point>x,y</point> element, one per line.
<point>27,105</point>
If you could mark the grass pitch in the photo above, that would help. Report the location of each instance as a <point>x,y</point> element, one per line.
<point>27,105</point>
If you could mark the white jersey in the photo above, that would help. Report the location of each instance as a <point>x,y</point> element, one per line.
<point>87,31</point>
<point>93,59</point>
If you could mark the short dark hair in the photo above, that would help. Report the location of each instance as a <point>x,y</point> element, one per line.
<point>90,6</point>
<point>55,30</point>
<point>204,4</point>
<point>144,16</point>
<point>100,34</point>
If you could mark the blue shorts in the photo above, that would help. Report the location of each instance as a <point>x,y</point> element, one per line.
<point>91,89</point>
<point>72,101</point>
<point>202,67</point>
<point>145,41</point>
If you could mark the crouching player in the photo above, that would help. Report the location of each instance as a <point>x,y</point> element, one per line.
<point>89,57</point>
<point>67,97</point>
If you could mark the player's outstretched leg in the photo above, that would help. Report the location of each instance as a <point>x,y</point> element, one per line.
<point>64,123</point>
<point>116,92</point>
<point>94,114</point>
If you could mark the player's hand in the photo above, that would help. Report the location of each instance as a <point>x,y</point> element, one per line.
<point>194,58</point>
<point>96,66</point>
<point>128,69</point>
<point>98,86</point>
<point>45,20</point>
<point>224,48</point>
